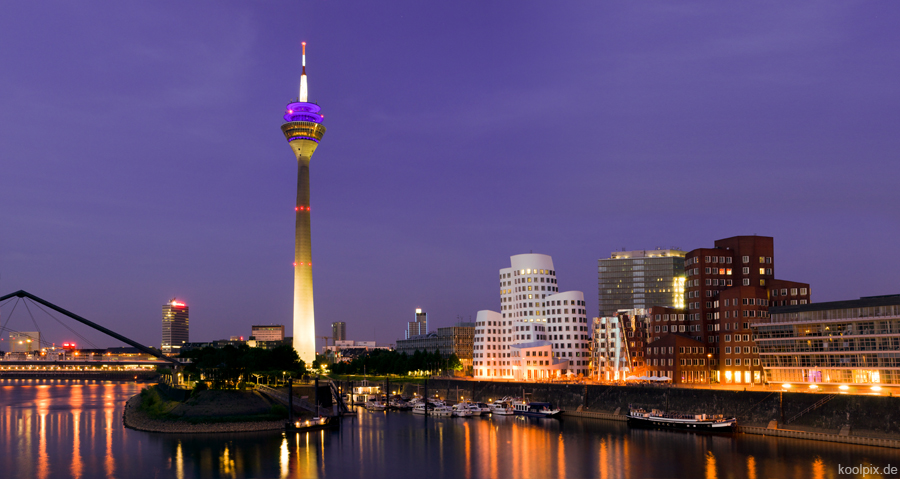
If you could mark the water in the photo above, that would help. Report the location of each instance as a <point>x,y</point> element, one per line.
<point>56,429</point>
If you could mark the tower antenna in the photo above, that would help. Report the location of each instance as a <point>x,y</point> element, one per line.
<point>304,90</point>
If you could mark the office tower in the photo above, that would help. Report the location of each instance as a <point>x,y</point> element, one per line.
<point>303,130</point>
<point>728,287</point>
<point>419,326</point>
<point>339,331</point>
<point>640,280</point>
<point>539,333</point>
<point>272,332</point>
<point>175,326</point>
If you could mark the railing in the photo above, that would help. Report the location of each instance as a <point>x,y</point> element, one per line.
<point>817,405</point>
<point>302,403</point>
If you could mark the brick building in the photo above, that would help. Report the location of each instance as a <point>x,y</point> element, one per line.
<point>727,288</point>
<point>679,358</point>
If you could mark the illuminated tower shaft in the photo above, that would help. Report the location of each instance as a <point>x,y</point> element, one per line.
<point>303,129</point>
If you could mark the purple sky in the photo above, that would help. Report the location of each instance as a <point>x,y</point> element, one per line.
<point>142,158</point>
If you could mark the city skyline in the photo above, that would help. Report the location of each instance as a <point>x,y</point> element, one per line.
<point>668,126</point>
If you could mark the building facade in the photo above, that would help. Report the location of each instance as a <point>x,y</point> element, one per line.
<point>339,331</point>
<point>619,343</point>
<point>539,333</point>
<point>272,332</point>
<point>727,288</point>
<point>640,280</point>
<point>175,327</point>
<point>24,341</point>
<point>419,326</point>
<point>850,344</point>
<point>456,340</point>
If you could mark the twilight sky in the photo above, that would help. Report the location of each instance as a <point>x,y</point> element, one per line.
<point>142,157</point>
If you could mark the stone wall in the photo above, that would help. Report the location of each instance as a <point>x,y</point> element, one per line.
<point>873,415</point>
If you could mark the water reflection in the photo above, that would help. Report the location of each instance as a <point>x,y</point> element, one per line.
<point>70,429</point>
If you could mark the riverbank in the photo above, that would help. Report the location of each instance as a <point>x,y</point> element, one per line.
<point>207,412</point>
<point>870,420</point>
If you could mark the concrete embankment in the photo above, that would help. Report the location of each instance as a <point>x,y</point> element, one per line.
<point>98,374</point>
<point>873,420</point>
<point>214,406</point>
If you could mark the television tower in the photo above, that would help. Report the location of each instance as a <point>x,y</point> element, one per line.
<point>303,130</point>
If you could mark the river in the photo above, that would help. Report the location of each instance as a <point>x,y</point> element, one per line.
<point>53,429</point>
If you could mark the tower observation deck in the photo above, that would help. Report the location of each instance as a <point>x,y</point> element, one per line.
<point>303,130</point>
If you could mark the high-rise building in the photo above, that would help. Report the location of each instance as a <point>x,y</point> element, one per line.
<point>339,331</point>
<point>540,332</point>
<point>175,326</point>
<point>727,288</point>
<point>303,130</point>
<point>272,332</point>
<point>419,326</point>
<point>640,280</point>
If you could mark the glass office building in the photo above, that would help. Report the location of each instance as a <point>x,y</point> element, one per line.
<point>640,280</point>
<point>846,343</point>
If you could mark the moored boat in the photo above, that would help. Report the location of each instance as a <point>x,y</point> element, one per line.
<point>535,409</point>
<point>313,424</point>
<point>445,411</point>
<point>691,422</point>
<point>462,410</point>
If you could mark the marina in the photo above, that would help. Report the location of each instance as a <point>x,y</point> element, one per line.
<point>52,430</point>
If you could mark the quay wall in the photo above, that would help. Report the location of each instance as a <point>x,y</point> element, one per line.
<point>134,375</point>
<point>872,416</point>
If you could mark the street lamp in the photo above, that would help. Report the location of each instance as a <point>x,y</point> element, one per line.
<point>709,369</point>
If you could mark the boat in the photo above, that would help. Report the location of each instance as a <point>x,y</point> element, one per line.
<point>375,405</point>
<point>420,409</point>
<point>399,404</point>
<point>535,409</point>
<point>445,411</point>
<point>479,408</point>
<point>365,392</point>
<point>313,424</point>
<point>691,422</point>
<point>501,408</point>
<point>462,410</point>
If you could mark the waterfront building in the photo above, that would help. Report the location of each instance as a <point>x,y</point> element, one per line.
<point>272,332</point>
<point>456,340</point>
<point>175,327</point>
<point>338,331</point>
<point>727,288</point>
<point>640,280</point>
<point>847,343</point>
<point>24,341</point>
<point>419,326</point>
<point>618,344</point>
<point>303,130</point>
<point>533,314</point>
<point>679,358</point>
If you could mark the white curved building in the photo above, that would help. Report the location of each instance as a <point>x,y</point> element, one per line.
<point>539,332</point>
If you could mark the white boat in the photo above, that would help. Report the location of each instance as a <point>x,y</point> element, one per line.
<point>445,411</point>
<point>420,409</point>
<point>462,410</point>
<point>375,406</point>
<point>479,408</point>
<point>501,408</point>
<point>400,404</point>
